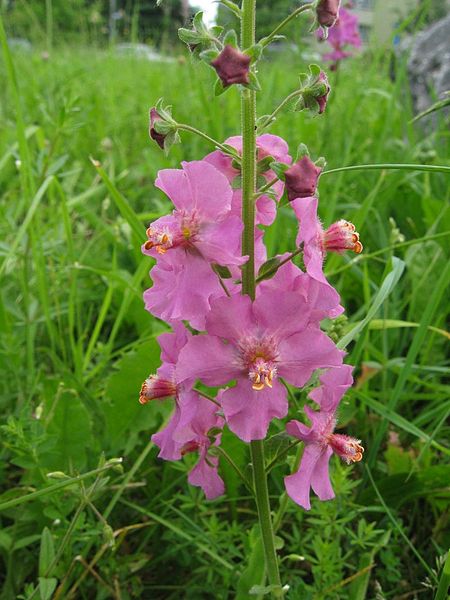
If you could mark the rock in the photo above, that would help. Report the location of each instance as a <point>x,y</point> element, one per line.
<point>429,64</point>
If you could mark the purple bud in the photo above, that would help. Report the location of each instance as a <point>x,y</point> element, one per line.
<point>232,66</point>
<point>322,100</point>
<point>301,179</point>
<point>327,12</point>
<point>158,137</point>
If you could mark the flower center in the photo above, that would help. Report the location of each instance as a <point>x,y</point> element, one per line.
<point>160,239</point>
<point>191,446</point>
<point>348,448</point>
<point>341,236</point>
<point>156,388</point>
<point>259,359</point>
<point>261,373</point>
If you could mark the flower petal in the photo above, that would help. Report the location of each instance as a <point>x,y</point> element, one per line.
<point>205,476</point>
<point>207,358</point>
<point>302,353</point>
<point>209,188</point>
<point>320,478</point>
<point>298,484</point>
<point>249,412</point>
<point>230,318</point>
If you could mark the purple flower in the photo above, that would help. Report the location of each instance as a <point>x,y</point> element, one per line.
<point>163,385</point>
<point>205,474</point>
<point>255,344</point>
<point>327,12</point>
<point>232,66</point>
<point>301,179</point>
<point>321,441</point>
<point>267,145</point>
<point>199,233</point>
<point>344,33</point>
<point>340,236</point>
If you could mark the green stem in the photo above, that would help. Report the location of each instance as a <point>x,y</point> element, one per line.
<point>265,519</point>
<point>266,41</point>
<point>270,118</point>
<point>395,166</point>
<point>248,107</point>
<point>205,136</point>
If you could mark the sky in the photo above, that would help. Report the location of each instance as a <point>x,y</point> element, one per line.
<point>208,7</point>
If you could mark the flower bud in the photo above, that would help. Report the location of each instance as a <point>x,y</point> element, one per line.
<point>232,66</point>
<point>322,98</point>
<point>341,236</point>
<point>327,12</point>
<point>155,388</point>
<point>158,137</point>
<point>301,179</point>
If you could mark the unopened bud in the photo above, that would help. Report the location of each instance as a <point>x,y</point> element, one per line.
<point>327,12</point>
<point>301,179</point>
<point>232,66</point>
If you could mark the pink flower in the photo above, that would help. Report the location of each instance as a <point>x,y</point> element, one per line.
<point>163,385</point>
<point>205,474</point>
<point>301,179</point>
<point>200,232</point>
<point>255,344</point>
<point>268,145</point>
<point>317,242</point>
<point>321,442</point>
<point>344,33</point>
<point>232,66</point>
<point>322,299</point>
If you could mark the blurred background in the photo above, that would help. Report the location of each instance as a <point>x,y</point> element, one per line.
<point>77,80</point>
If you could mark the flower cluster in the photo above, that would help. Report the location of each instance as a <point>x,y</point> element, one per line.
<point>250,351</point>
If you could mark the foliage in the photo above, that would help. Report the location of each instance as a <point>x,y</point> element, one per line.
<point>130,20</point>
<point>76,343</point>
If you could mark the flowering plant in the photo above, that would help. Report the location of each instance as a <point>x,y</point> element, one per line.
<point>245,326</point>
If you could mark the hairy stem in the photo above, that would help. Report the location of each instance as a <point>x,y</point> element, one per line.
<point>249,287</point>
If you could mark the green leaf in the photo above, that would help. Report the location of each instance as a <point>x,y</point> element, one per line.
<point>389,283</point>
<point>71,427</point>
<point>46,587</point>
<point>230,39</point>
<point>218,88</point>
<point>254,574</point>
<point>268,269</point>
<point>432,482</point>
<point>46,553</point>
<point>444,581</point>
<point>124,416</point>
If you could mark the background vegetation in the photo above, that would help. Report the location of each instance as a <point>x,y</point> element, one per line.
<point>76,342</point>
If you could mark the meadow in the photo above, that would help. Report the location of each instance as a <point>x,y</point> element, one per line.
<point>76,342</point>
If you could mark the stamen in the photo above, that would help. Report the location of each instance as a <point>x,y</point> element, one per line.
<point>341,236</point>
<point>261,373</point>
<point>160,240</point>
<point>348,448</point>
<point>155,388</point>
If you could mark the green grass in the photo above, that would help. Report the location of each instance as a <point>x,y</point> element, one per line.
<point>76,342</point>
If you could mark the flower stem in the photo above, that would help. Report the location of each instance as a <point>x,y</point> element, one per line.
<point>205,136</point>
<point>265,519</point>
<point>270,118</point>
<point>248,108</point>
<point>266,41</point>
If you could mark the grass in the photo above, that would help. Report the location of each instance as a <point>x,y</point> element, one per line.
<point>76,342</point>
